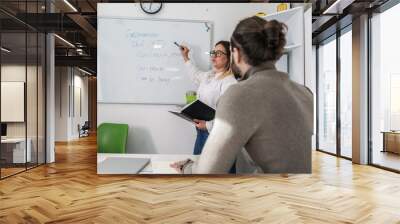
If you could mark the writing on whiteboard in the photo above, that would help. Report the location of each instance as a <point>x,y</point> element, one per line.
<point>140,57</point>
<point>143,54</point>
<point>134,34</point>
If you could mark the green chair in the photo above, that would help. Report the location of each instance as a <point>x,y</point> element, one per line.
<point>111,138</point>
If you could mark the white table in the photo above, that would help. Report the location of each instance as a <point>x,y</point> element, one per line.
<point>19,149</point>
<point>159,163</point>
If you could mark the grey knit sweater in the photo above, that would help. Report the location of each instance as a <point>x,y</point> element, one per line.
<point>267,114</point>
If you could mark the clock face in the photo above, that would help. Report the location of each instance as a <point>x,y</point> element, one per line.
<point>151,7</point>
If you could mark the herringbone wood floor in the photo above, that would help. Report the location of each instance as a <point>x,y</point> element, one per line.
<point>69,191</point>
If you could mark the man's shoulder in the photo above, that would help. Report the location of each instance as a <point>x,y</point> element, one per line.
<point>236,94</point>
<point>235,89</point>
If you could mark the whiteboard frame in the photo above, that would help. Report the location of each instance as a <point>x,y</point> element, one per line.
<point>154,19</point>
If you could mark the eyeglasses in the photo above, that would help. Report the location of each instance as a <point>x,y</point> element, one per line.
<point>217,53</point>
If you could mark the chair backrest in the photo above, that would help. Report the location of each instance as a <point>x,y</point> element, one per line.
<point>111,138</point>
<point>86,125</point>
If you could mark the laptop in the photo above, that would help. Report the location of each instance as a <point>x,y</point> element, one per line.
<point>122,165</point>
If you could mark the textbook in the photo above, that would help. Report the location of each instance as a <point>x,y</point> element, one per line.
<point>196,110</point>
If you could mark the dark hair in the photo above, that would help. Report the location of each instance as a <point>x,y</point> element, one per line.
<point>259,40</point>
<point>227,47</point>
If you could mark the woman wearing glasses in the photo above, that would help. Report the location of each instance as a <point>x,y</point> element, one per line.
<point>212,84</point>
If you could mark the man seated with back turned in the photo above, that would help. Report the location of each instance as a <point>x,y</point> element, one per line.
<point>266,113</point>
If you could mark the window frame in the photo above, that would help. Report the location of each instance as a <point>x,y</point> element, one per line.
<point>334,37</point>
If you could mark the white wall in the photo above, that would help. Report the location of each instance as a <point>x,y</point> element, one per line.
<point>80,82</point>
<point>67,79</point>
<point>225,16</point>
<point>61,103</point>
<point>310,64</point>
<point>312,80</point>
<point>12,73</point>
<point>151,128</point>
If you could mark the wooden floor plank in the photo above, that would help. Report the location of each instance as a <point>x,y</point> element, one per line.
<point>70,191</point>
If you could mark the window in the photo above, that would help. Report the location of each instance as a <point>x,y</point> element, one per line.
<point>394,101</point>
<point>327,96</point>
<point>346,93</point>
<point>385,88</point>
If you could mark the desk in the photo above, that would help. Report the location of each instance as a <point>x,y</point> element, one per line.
<point>391,141</point>
<point>18,150</point>
<point>159,163</point>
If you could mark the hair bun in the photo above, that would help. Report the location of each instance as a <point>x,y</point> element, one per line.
<point>272,32</point>
<point>259,40</point>
<point>272,43</point>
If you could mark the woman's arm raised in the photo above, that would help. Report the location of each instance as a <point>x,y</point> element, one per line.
<point>196,74</point>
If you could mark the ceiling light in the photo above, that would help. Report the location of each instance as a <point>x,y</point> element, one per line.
<point>5,50</point>
<point>65,41</point>
<point>337,7</point>
<point>70,5</point>
<point>84,71</point>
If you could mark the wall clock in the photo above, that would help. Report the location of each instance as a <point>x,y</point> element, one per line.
<point>151,7</point>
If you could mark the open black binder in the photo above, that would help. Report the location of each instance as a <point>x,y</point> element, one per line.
<point>196,110</point>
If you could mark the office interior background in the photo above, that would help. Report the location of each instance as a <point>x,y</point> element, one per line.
<point>57,40</point>
<point>48,78</point>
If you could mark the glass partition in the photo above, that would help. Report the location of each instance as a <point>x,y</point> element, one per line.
<point>14,153</point>
<point>22,77</point>
<point>41,97</point>
<point>32,96</point>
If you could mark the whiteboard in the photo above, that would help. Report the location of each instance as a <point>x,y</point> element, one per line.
<point>12,101</point>
<point>138,61</point>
